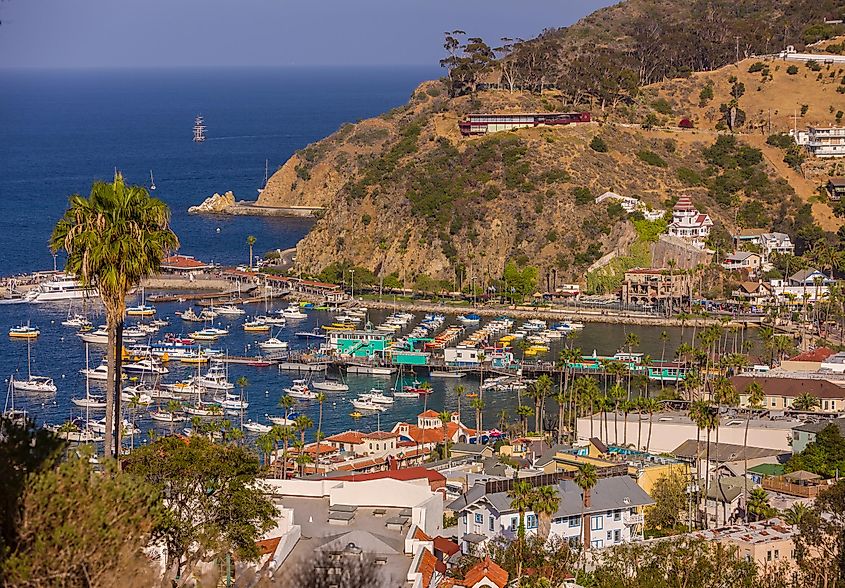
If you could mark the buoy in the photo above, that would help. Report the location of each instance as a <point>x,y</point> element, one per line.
<point>218,229</point>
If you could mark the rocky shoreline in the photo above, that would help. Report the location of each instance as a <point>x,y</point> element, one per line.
<point>226,204</point>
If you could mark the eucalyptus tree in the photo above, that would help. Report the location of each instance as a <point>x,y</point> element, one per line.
<point>114,238</point>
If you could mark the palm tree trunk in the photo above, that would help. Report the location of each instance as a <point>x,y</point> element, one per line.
<point>707,483</point>
<point>650,421</point>
<point>745,468</point>
<point>591,418</point>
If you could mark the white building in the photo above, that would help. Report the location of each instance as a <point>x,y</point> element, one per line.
<point>823,141</point>
<point>613,513</point>
<point>775,243</point>
<point>689,224</point>
<point>630,204</point>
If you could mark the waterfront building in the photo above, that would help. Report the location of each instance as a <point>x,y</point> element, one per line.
<point>657,287</point>
<point>688,224</point>
<point>808,277</point>
<point>481,124</point>
<point>612,512</point>
<point>755,293</point>
<point>824,142</point>
<point>779,392</point>
<point>362,344</point>
<point>184,264</point>
<point>808,361</point>
<point>429,430</point>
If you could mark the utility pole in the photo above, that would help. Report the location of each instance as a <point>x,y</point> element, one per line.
<point>737,49</point>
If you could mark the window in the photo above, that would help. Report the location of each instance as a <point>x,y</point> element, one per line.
<point>596,523</point>
<point>492,524</point>
<point>514,523</point>
<point>574,521</point>
<point>617,535</point>
<point>597,543</point>
<point>479,518</point>
<point>610,535</point>
<point>777,554</point>
<point>617,515</point>
<point>768,556</point>
<point>465,519</point>
<point>531,521</point>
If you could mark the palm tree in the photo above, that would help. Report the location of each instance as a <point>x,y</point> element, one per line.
<point>585,478</point>
<point>664,339</point>
<point>615,394</point>
<point>651,406</point>
<point>302,423</point>
<point>631,340</point>
<point>287,403</point>
<point>445,416</point>
<point>172,407</point>
<point>284,434</point>
<point>503,420</point>
<point>265,443</point>
<point>133,407</point>
<point>478,404</point>
<point>522,497</point>
<point>588,392</point>
<point>758,504</point>
<point>427,387</point>
<point>524,412</point>
<point>698,414</point>
<point>754,392</point>
<point>250,241</point>
<point>66,428</point>
<point>481,357</point>
<point>302,457</point>
<point>538,391</point>
<point>805,402</point>
<point>795,513</point>
<point>546,503</point>
<point>724,393</point>
<point>114,239</point>
<point>320,398</point>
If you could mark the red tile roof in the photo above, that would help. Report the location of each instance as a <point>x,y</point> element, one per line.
<point>268,546</point>
<point>816,355</point>
<point>404,474</point>
<point>446,546</point>
<point>353,437</point>
<point>684,203</point>
<point>486,569</point>
<point>420,535</point>
<point>431,414</point>
<point>182,262</point>
<point>380,435</point>
<point>427,565</point>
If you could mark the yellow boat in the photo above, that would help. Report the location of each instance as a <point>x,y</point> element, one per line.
<point>339,327</point>
<point>194,359</point>
<point>24,332</point>
<point>256,327</point>
<point>472,395</point>
<point>355,415</point>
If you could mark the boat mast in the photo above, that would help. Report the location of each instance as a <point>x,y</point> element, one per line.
<point>199,129</point>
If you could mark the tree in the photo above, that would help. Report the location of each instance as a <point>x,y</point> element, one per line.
<point>754,392</point>
<point>213,505</point>
<point>758,504</point>
<point>77,528</point>
<point>805,402</point>
<point>524,412</point>
<point>284,434</point>
<point>114,239</point>
<point>670,501</point>
<point>459,392</point>
<point>820,543</point>
<point>586,478</point>
<point>795,513</point>
<point>321,398</point>
<point>824,456</point>
<point>445,418</point>
<point>250,241</point>
<point>545,505</point>
<point>522,497</point>
<point>539,390</point>
<point>478,405</point>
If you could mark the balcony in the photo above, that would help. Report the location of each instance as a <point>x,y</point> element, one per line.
<point>633,519</point>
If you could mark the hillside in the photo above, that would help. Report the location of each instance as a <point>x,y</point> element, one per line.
<point>408,198</point>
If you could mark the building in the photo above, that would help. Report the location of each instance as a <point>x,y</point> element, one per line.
<point>780,392</point>
<point>183,264</point>
<point>771,243</point>
<point>484,574</point>
<point>481,124</point>
<point>836,189</point>
<point>808,277</point>
<point>612,512</point>
<point>748,237</point>
<point>746,261</point>
<point>689,224</point>
<point>430,430</point>
<point>766,543</point>
<point>656,287</point>
<point>834,363</point>
<point>806,433</point>
<point>791,54</point>
<point>826,141</point>
<point>363,443</point>
<point>809,361</point>
<point>755,293</point>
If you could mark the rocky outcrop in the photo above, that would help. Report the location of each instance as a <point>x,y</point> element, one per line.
<point>214,204</point>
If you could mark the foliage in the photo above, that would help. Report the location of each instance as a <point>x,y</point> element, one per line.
<point>689,176</point>
<point>662,106</point>
<point>651,158</point>
<point>706,94</point>
<point>820,543</point>
<point>598,145</point>
<point>213,506</point>
<point>582,195</point>
<point>792,70</point>
<point>340,272</point>
<point>824,456</point>
<point>551,560</point>
<point>781,140</point>
<point>519,283</point>
<point>756,66</point>
<point>670,496</point>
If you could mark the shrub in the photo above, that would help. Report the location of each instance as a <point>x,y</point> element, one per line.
<point>582,195</point>
<point>706,94</point>
<point>756,66</point>
<point>551,236</point>
<point>814,65</point>
<point>366,219</point>
<point>689,177</point>
<point>781,140</point>
<point>651,158</point>
<point>792,70</point>
<point>662,106</point>
<point>598,145</point>
<point>804,109</point>
<point>615,210</point>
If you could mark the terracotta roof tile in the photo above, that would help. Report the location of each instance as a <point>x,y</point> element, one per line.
<point>428,563</point>
<point>486,569</point>
<point>816,355</point>
<point>353,437</point>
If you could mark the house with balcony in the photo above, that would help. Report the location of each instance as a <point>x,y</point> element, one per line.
<point>836,188</point>
<point>688,224</point>
<point>611,513</point>
<point>657,287</point>
<point>771,243</point>
<point>430,430</point>
<point>825,141</point>
<point>746,261</point>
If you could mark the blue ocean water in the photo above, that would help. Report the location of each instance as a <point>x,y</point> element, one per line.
<point>63,129</point>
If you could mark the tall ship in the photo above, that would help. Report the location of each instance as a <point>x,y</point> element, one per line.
<point>199,129</point>
<point>61,287</point>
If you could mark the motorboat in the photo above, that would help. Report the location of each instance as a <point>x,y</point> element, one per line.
<point>41,384</point>
<point>364,404</point>
<point>276,321</point>
<point>134,394</point>
<point>282,421</point>
<point>256,326</point>
<point>314,334</point>
<point>470,319</point>
<point>101,335</point>
<point>99,373</point>
<point>24,332</point>
<point>377,396</point>
<point>141,310</point>
<point>233,402</point>
<point>292,311</point>
<point>77,321</point>
<point>90,401</point>
<point>146,366</point>
<point>167,417</point>
<point>255,427</point>
<point>299,389</point>
<point>190,316</point>
<point>61,287</point>
<point>206,335</point>
<point>215,378</point>
<point>99,426</point>
<point>202,410</point>
<point>405,394</point>
<point>330,386</point>
<point>273,344</point>
<point>229,310</point>
<point>347,318</point>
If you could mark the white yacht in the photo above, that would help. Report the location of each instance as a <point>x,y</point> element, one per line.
<point>275,320</point>
<point>61,287</point>
<point>273,344</point>
<point>364,404</point>
<point>100,427</point>
<point>76,320</point>
<point>299,389</point>
<point>90,401</point>
<point>146,366</point>
<point>35,384</point>
<point>167,417</point>
<point>233,402</point>
<point>101,335</point>
<point>229,310</point>
<point>99,373</point>
<point>377,396</point>
<point>215,378</point>
<point>330,386</point>
<point>255,427</point>
<point>293,312</point>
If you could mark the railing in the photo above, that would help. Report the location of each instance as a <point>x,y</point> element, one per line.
<point>777,484</point>
<point>633,519</point>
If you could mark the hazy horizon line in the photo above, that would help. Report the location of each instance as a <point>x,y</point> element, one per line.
<point>177,67</point>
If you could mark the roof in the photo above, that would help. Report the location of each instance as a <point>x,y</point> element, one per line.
<point>430,414</point>
<point>404,474</point>
<point>804,274</point>
<point>750,233</point>
<point>791,387</point>
<point>182,262</point>
<point>818,354</point>
<point>802,475</point>
<point>373,543</point>
<point>420,535</point>
<point>819,426</point>
<point>473,448</point>
<point>268,546</point>
<point>598,444</point>
<point>353,437</point>
<point>447,546</point>
<point>837,182</point>
<point>427,565</point>
<point>486,569</point>
<point>767,469</point>
<point>379,435</point>
<point>722,452</point>
<point>684,203</point>
<point>726,490</point>
<point>741,256</point>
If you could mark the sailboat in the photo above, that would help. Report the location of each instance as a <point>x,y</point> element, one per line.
<point>152,181</point>
<point>199,129</point>
<point>33,383</point>
<point>327,385</point>
<point>9,410</point>
<point>142,309</point>
<point>266,175</point>
<point>89,401</point>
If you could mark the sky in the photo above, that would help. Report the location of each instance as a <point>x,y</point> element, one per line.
<point>177,33</point>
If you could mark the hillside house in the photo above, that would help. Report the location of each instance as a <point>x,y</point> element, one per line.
<point>823,142</point>
<point>755,293</point>
<point>747,261</point>
<point>481,124</point>
<point>657,287</point>
<point>689,224</point>
<point>808,277</point>
<point>771,243</point>
<point>430,430</point>
<point>836,189</point>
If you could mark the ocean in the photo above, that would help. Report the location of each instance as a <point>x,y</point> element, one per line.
<point>61,130</point>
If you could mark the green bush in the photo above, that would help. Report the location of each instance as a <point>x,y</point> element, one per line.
<point>814,65</point>
<point>662,106</point>
<point>366,219</point>
<point>781,140</point>
<point>582,195</point>
<point>792,70</point>
<point>689,177</point>
<point>651,158</point>
<point>598,145</point>
<point>706,94</point>
<point>756,66</point>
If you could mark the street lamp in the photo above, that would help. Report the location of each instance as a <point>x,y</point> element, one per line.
<point>352,272</point>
